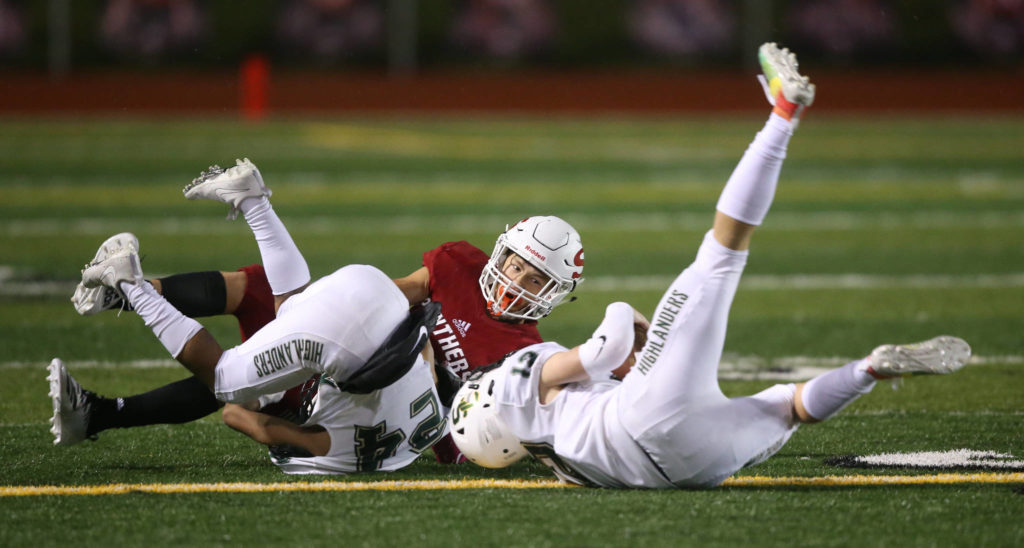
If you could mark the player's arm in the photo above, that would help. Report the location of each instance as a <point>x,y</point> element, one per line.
<point>609,350</point>
<point>415,286</point>
<point>271,430</point>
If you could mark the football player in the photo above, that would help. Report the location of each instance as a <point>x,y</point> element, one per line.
<point>490,307</point>
<point>667,424</point>
<point>377,407</point>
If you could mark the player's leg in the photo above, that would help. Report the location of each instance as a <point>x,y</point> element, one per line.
<point>183,337</point>
<point>196,295</point>
<point>748,194</point>
<point>244,293</point>
<point>680,361</point>
<point>199,352</point>
<point>242,187</point>
<point>827,394</point>
<point>741,432</point>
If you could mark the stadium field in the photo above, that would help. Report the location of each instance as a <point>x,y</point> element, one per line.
<point>883,230</point>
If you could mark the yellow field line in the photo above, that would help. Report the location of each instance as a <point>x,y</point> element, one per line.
<point>245,487</point>
<point>827,481</point>
<point>419,485</point>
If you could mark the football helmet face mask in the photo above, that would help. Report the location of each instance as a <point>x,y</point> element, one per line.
<point>550,245</point>
<point>477,429</point>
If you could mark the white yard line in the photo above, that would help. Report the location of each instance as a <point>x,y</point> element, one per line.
<point>797,282</point>
<point>732,367</point>
<point>458,224</point>
<point>10,286</point>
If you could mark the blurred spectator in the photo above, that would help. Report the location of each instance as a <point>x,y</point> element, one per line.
<point>990,26</point>
<point>843,27</point>
<point>152,29</point>
<point>12,28</point>
<point>331,29</point>
<point>683,27</point>
<point>508,29</point>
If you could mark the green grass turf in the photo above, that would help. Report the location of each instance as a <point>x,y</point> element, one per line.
<point>892,199</point>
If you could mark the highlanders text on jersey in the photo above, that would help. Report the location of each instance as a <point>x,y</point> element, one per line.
<point>332,328</point>
<point>578,434</point>
<point>465,337</point>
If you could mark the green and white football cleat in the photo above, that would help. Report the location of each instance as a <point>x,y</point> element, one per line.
<point>787,90</point>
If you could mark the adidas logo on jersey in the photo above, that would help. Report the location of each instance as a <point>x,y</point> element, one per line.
<point>462,326</point>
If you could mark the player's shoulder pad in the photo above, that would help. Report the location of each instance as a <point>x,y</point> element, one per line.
<point>396,356</point>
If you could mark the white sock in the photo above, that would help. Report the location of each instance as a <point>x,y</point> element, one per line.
<point>749,192</point>
<point>285,266</point>
<point>173,328</point>
<point>828,393</point>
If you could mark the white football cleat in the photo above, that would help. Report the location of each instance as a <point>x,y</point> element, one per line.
<point>939,356</point>
<point>90,301</point>
<point>71,406</point>
<point>230,186</point>
<point>787,90</point>
<point>122,266</point>
<point>93,300</point>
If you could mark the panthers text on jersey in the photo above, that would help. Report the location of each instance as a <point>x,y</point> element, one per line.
<point>465,336</point>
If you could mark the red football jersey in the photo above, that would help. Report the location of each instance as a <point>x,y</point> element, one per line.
<point>465,337</point>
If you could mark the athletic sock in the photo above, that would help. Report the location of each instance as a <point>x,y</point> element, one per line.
<point>173,328</point>
<point>749,192</point>
<point>196,294</point>
<point>285,266</point>
<point>176,403</point>
<point>828,393</point>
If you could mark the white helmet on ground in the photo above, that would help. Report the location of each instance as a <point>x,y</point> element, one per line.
<point>477,429</point>
<point>553,247</point>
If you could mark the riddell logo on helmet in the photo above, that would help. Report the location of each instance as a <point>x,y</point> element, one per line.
<point>535,253</point>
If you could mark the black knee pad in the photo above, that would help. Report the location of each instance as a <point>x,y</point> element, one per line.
<point>196,294</point>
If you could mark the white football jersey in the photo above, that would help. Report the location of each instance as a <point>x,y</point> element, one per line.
<point>383,430</point>
<point>332,328</point>
<point>578,434</point>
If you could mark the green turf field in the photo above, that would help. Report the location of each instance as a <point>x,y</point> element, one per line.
<point>883,230</point>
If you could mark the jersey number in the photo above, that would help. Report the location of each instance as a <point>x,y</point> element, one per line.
<point>374,444</point>
<point>525,363</point>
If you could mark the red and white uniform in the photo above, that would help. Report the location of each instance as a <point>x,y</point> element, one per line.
<point>465,337</point>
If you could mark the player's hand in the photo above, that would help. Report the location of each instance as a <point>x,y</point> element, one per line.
<point>640,326</point>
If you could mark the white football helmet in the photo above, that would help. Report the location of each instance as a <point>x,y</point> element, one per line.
<point>549,244</point>
<point>477,429</point>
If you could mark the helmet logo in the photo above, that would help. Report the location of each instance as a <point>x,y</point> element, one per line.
<point>536,253</point>
<point>578,261</point>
